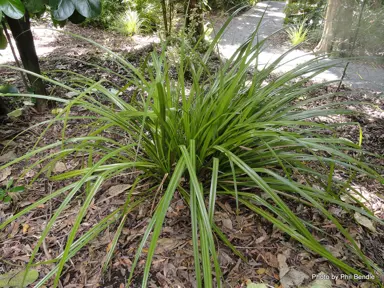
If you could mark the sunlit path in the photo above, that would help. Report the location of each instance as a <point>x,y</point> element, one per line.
<point>368,76</point>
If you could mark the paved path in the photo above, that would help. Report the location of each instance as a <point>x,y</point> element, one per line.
<point>367,76</point>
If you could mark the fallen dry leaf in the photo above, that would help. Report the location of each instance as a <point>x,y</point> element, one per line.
<point>118,189</point>
<point>250,284</point>
<point>260,271</point>
<point>5,173</point>
<point>59,167</point>
<point>362,220</point>
<point>320,281</point>
<point>227,223</point>
<point>109,247</point>
<point>271,259</point>
<point>166,244</point>
<point>336,250</point>
<point>25,228</point>
<point>289,277</point>
<point>9,156</point>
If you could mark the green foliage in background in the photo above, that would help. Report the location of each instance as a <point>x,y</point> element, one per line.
<point>370,40</point>
<point>312,11</point>
<point>117,14</point>
<point>128,23</point>
<point>12,8</point>
<point>61,11</point>
<point>110,10</point>
<point>297,33</point>
<point>216,134</point>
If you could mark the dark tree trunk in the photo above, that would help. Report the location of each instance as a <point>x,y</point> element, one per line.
<point>164,11</point>
<point>21,31</point>
<point>14,54</point>
<point>170,8</point>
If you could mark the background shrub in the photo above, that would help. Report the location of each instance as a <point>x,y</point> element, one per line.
<point>110,8</point>
<point>371,35</point>
<point>124,15</point>
<point>297,11</point>
<point>128,23</point>
<point>297,33</point>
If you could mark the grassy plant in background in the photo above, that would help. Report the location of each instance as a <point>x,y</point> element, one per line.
<point>128,23</point>
<point>110,8</point>
<point>225,134</point>
<point>297,33</point>
<point>147,15</point>
<point>312,10</point>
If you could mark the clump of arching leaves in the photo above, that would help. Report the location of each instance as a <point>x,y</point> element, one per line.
<point>230,135</point>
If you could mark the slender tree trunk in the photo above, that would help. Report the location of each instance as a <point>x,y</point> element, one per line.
<point>337,32</point>
<point>170,10</point>
<point>164,11</point>
<point>14,54</point>
<point>21,31</point>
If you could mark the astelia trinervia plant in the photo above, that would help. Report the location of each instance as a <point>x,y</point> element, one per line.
<point>228,133</point>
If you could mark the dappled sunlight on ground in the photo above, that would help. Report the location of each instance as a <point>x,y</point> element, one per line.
<point>55,42</point>
<point>358,75</point>
<point>44,42</point>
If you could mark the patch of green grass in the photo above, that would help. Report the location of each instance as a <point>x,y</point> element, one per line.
<point>128,23</point>
<point>297,33</point>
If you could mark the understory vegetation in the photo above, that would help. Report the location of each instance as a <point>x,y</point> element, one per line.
<point>127,17</point>
<point>116,14</point>
<point>312,15</point>
<point>297,33</point>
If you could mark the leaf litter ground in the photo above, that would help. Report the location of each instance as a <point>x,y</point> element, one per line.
<point>273,258</point>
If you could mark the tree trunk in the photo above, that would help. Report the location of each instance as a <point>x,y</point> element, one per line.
<point>21,31</point>
<point>14,54</point>
<point>170,9</point>
<point>337,32</point>
<point>195,18</point>
<point>164,11</point>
